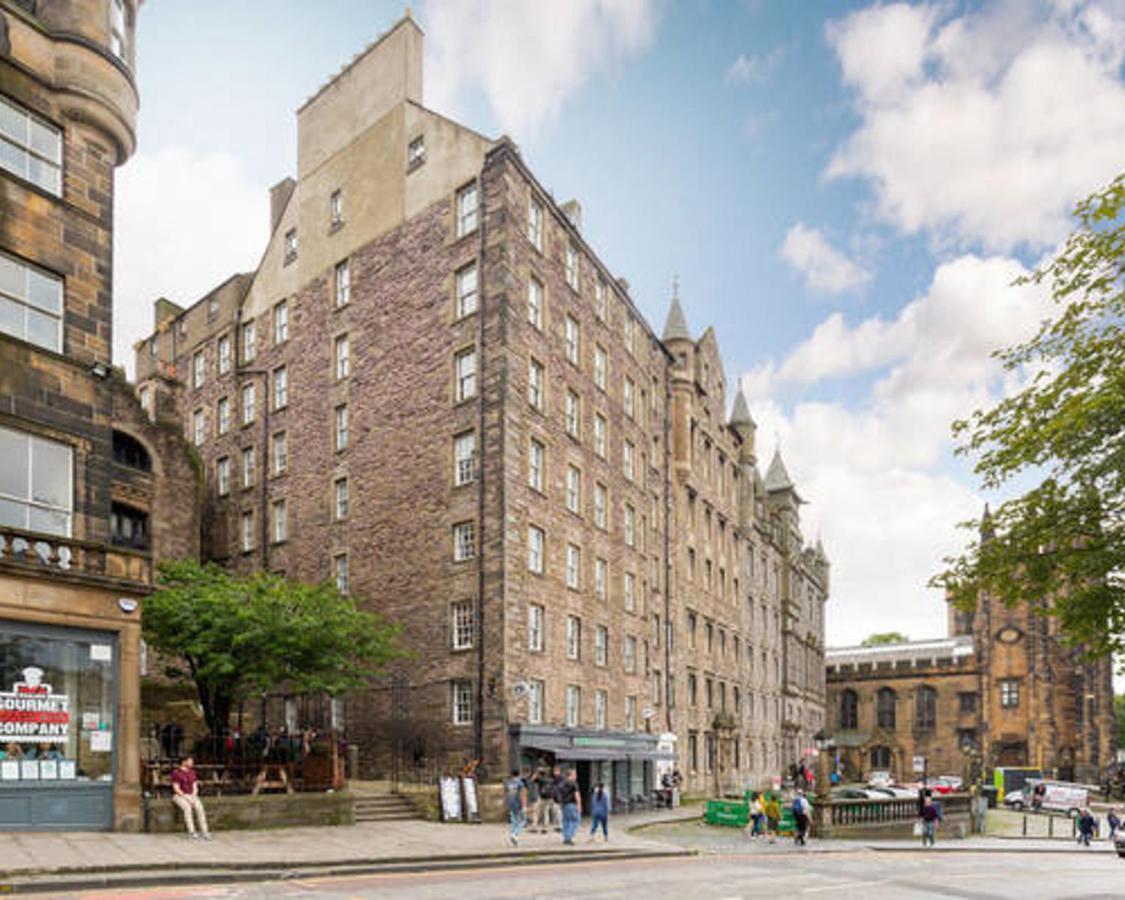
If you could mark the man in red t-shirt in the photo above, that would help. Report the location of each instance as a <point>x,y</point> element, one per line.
<point>185,794</point>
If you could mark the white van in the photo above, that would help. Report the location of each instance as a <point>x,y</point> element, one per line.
<point>1052,796</point>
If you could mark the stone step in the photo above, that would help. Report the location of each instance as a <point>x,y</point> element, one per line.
<point>386,817</point>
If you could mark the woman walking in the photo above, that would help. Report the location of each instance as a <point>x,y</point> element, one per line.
<point>599,812</point>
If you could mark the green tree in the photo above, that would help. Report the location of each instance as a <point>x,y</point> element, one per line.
<point>238,636</point>
<point>1062,539</point>
<point>1119,712</point>
<point>884,637</point>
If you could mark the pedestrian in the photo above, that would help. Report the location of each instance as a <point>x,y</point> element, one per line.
<point>570,800</point>
<point>545,784</point>
<point>1086,827</point>
<point>801,817</point>
<point>772,810</point>
<point>532,782</point>
<point>931,819</point>
<point>757,814</point>
<point>557,782</point>
<point>599,812</point>
<point>516,792</point>
<point>1114,823</point>
<point>185,794</point>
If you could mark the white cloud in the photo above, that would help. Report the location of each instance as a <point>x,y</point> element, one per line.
<point>878,473</point>
<point>185,221</point>
<point>983,127</point>
<point>527,58</point>
<point>755,67</point>
<point>825,269</point>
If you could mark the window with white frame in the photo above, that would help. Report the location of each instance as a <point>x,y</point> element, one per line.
<point>340,562</point>
<point>117,30</point>
<point>535,548</point>
<point>249,341</point>
<point>341,427</point>
<point>30,147</point>
<point>601,645</point>
<point>279,453</point>
<point>535,384</point>
<point>340,493</point>
<point>601,309</point>
<point>464,541</point>
<point>573,566</point>
<point>601,367</point>
<point>535,223</point>
<point>630,713</point>
<point>600,702</point>
<point>464,458</point>
<point>572,409</point>
<point>627,460</point>
<point>630,656</point>
<point>601,578</point>
<point>466,283</point>
<point>629,589</point>
<point>222,414</point>
<point>343,357</point>
<point>536,460</point>
<point>290,245</point>
<point>336,209</point>
<point>535,702</point>
<point>462,702</point>
<point>535,302</point>
<point>601,503</point>
<point>36,483</point>
<point>1009,693</point>
<point>461,626</point>
<point>247,531</point>
<point>222,476</point>
<point>198,428</point>
<point>573,489</point>
<point>630,525</point>
<point>467,209</point>
<point>573,637</point>
<point>416,152</point>
<point>628,393</point>
<point>144,396</point>
<point>280,387</point>
<point>601,429</point>
<point>343,283</point>
<point>573,703</point>
<point>248,467</point>
<point>535,628</point>
<point>572,266</point>
<point>571,335</point>
<point>280,521</point>
<point>281,322</point>
<point>465,368</point>
<point>224,354</point>
<point>198,369</point>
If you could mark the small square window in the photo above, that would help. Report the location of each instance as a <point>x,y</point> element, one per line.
<point>466,280</point>
<point>415,153</point>
<point>343,284</point>
<point>290,245</point>
<point>465,366</point>
<point>467,209</point>
<point>464,541</point>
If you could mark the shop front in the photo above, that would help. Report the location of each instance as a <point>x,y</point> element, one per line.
<point>625,762</point>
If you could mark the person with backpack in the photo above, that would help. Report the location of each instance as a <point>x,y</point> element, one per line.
<point>931,819</point>
<point>801,817</point>
<point>599,812</point>
<point>515,790</point>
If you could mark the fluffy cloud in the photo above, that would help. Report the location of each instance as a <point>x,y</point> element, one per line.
<point>755,67</point>
<point>824,268</point>
<point>185,222</point>
<point>527,58</point>
<point>983,127</point>
<point>878,473</point>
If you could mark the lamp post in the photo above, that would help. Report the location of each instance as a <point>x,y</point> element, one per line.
<point>825,754</point>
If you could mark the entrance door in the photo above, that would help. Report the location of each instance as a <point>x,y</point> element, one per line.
<point>1012,754</point>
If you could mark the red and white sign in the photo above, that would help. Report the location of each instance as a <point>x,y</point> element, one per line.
<point>31,713</point>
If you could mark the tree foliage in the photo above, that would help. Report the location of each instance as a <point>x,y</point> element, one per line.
<point>1119,712</point>
<point>238,636</point>
<point>1062,540</point>
<point>884,637</point>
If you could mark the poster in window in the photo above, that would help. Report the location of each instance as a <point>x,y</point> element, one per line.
<point>101,741</point>
<point>9,770</point>
<point>450,799</point>
<point>101,652</point>
<point>48,769</point>
<point>67,771</point>
<point>32,713</point>
<point>29,769</point>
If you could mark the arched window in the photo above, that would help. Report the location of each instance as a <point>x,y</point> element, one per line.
<point>849,710</point>
<point>128,451</point>
<point>885,703</point>
<point>880,757</point>
<point>925,709</point>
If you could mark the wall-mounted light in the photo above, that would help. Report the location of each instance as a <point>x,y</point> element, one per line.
<point>127,604</point>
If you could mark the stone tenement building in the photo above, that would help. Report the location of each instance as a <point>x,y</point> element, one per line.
<point>1001,690</point>
<point>90,488</point>
<point>434,392</point>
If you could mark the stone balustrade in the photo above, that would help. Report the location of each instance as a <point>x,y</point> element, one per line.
<point>51,554</point>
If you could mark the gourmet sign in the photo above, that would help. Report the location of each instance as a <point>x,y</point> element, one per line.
<point>31,713</point>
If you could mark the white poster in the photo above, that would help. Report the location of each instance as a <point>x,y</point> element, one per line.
<point>450,799</point>
<point>9,770</point>
<point>29,769</point>
<point>48,769</point>
<point>101,741</point>
<point>470,786</point>
<point>31,713</point>
<point>101,653</point>
<point>67,770</point>
<point>91,721</point>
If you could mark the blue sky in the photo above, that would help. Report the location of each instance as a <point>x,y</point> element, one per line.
<point>845,191</point>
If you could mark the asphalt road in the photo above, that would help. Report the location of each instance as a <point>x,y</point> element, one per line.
<point>861,874</point>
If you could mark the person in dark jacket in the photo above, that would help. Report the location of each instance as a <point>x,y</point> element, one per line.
<point>931,818</point>
<point>1086,827</point>
<point>599,812</point>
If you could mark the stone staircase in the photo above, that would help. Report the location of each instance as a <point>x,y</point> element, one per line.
<point>383,808</point>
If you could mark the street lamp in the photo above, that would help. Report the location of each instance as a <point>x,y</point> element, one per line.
<point>825,755</point>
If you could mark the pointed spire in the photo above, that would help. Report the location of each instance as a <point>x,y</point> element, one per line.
<point>777,477</point>
<point>987,529</point>
<point>675,326</point>
<point>820,548</point>
<point>740,413</point>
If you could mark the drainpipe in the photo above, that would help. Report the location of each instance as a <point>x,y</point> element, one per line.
<point>478,707</point>
<point>667,545</point>
<point>263,471</point>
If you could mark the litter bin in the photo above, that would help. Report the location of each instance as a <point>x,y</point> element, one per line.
<point>990,792</point>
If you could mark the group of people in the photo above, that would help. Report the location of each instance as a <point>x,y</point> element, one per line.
<point>548,799</point>
<point>1087,826</point>
<point>31,751</point>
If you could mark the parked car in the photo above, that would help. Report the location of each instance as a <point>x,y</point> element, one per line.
<point>955,782</point>
<point>880,778</point>
<point>1015,800</point>
<point>850,793</point>
<point>1119,844</point>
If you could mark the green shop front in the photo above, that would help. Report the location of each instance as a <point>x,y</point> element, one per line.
<point>626,762</point>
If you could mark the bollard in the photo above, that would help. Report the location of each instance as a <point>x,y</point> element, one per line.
<point>1050,826</point>
<point>1025,825</point>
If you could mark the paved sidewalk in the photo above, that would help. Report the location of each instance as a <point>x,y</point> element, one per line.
<point>396,842</point>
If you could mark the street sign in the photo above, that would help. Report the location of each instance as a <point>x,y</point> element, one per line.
<point>919,765</point>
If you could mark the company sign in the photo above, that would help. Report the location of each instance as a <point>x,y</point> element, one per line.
<point>31,713</point>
